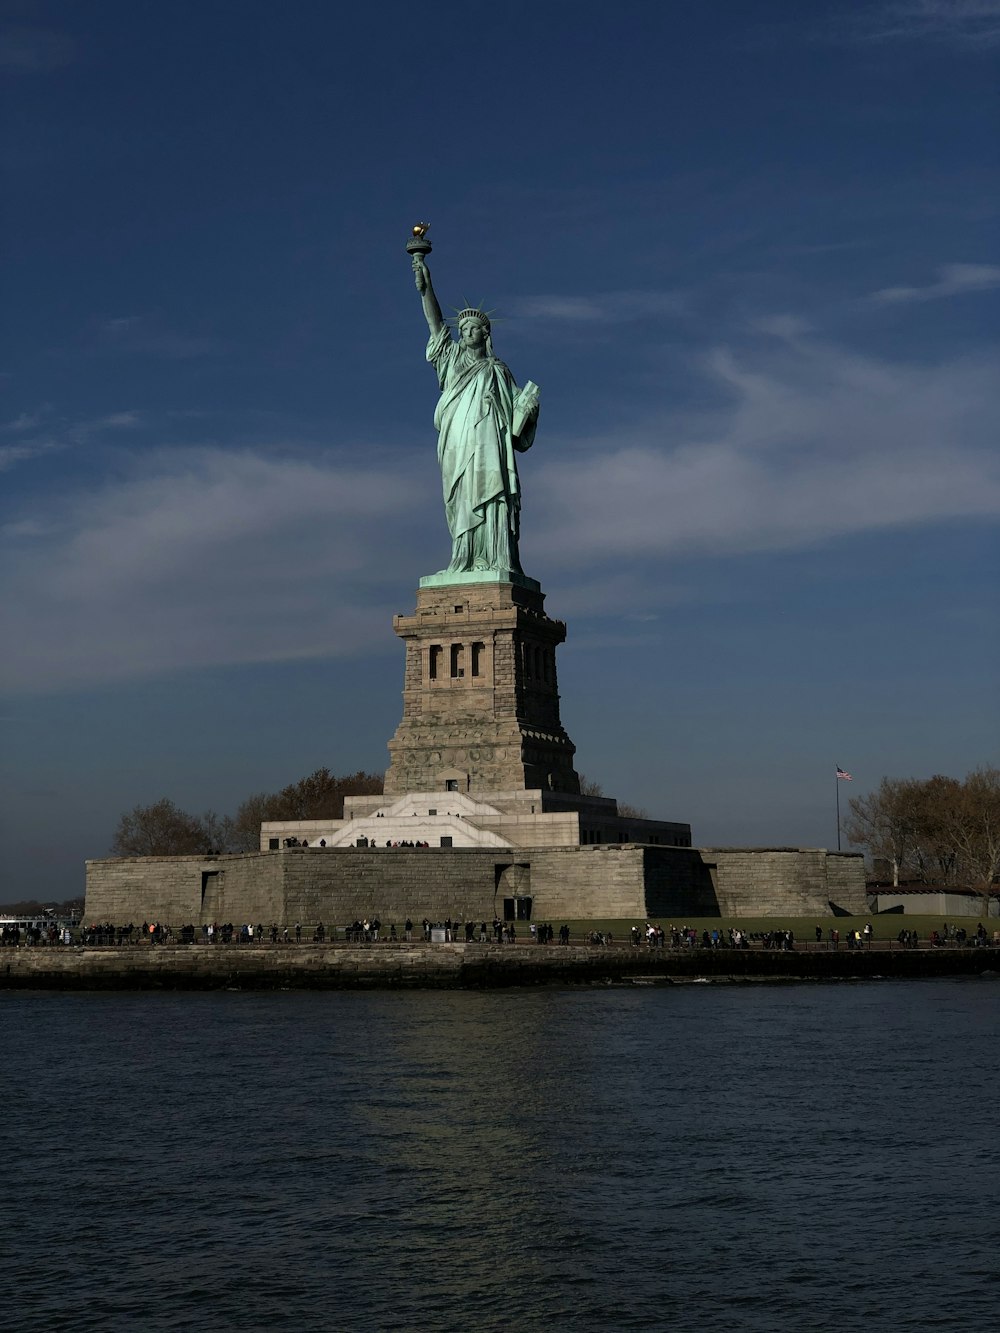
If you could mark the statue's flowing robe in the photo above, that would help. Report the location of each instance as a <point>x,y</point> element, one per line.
<point>476,443</point>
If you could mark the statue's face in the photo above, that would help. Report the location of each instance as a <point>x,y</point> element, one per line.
<point>472,334</point>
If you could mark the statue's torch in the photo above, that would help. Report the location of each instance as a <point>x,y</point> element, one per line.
<point>418,244</point>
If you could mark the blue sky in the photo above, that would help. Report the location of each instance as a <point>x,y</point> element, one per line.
<point>749,253</point>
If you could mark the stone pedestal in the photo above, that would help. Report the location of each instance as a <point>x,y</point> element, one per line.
<point>480,697</point>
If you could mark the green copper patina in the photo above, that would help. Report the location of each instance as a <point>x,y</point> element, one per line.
<point>482,420</point>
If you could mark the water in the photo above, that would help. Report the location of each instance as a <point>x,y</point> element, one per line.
<point>802,1158</point>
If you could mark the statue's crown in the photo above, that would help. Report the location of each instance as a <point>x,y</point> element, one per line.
<point>470,312</point>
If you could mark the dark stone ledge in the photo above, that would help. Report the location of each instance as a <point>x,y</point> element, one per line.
<point>419,965</point>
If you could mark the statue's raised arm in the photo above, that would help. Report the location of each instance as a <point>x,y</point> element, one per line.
<point>482,420</point>
<point>432,310</point>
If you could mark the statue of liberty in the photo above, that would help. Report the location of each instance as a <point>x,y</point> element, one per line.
<point>482,420</point>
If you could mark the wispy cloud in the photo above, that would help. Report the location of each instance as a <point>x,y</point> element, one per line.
<point>817,444</point>
<point>954,280</point>
<point>188,558</point>
<point>148,335</point>
<point>788,327</point>
<point>199,557</point>
<point>118,421</point>
<point>24,421</point>
<point>12,454</point>
<point>32,435</point>
<point>973,24</point>
<point>612,307</point>
<point>31,50</point>
<point>25,437</point>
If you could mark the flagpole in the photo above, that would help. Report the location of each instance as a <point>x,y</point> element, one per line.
<point>836,778</point>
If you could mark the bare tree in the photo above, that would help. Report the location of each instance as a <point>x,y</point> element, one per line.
<point>975,829</point>
<point>882,823</point>
<point>588,787</point>
<point>321,794</point>
<point>628,811</point>
<point>940,830</point>
<point>34,907</point>
<point>163,829</point>
<point>932,807</point>
<point>160,829</point>
<point>253,812</point>
<point>219,831</point>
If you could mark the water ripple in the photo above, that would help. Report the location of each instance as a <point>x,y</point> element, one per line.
<point>809,1158</point>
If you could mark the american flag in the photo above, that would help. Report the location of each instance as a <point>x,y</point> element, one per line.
<point>846,777</point>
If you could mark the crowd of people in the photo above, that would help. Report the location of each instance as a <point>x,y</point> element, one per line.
<point>959,935</point>
<point>390,842</point>
<point>35,932</point>
<point>370,930</point>
<point>688,937</point>
<point>363,841</point>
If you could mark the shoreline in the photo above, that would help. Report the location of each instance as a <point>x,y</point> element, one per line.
<point>419,965</point>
